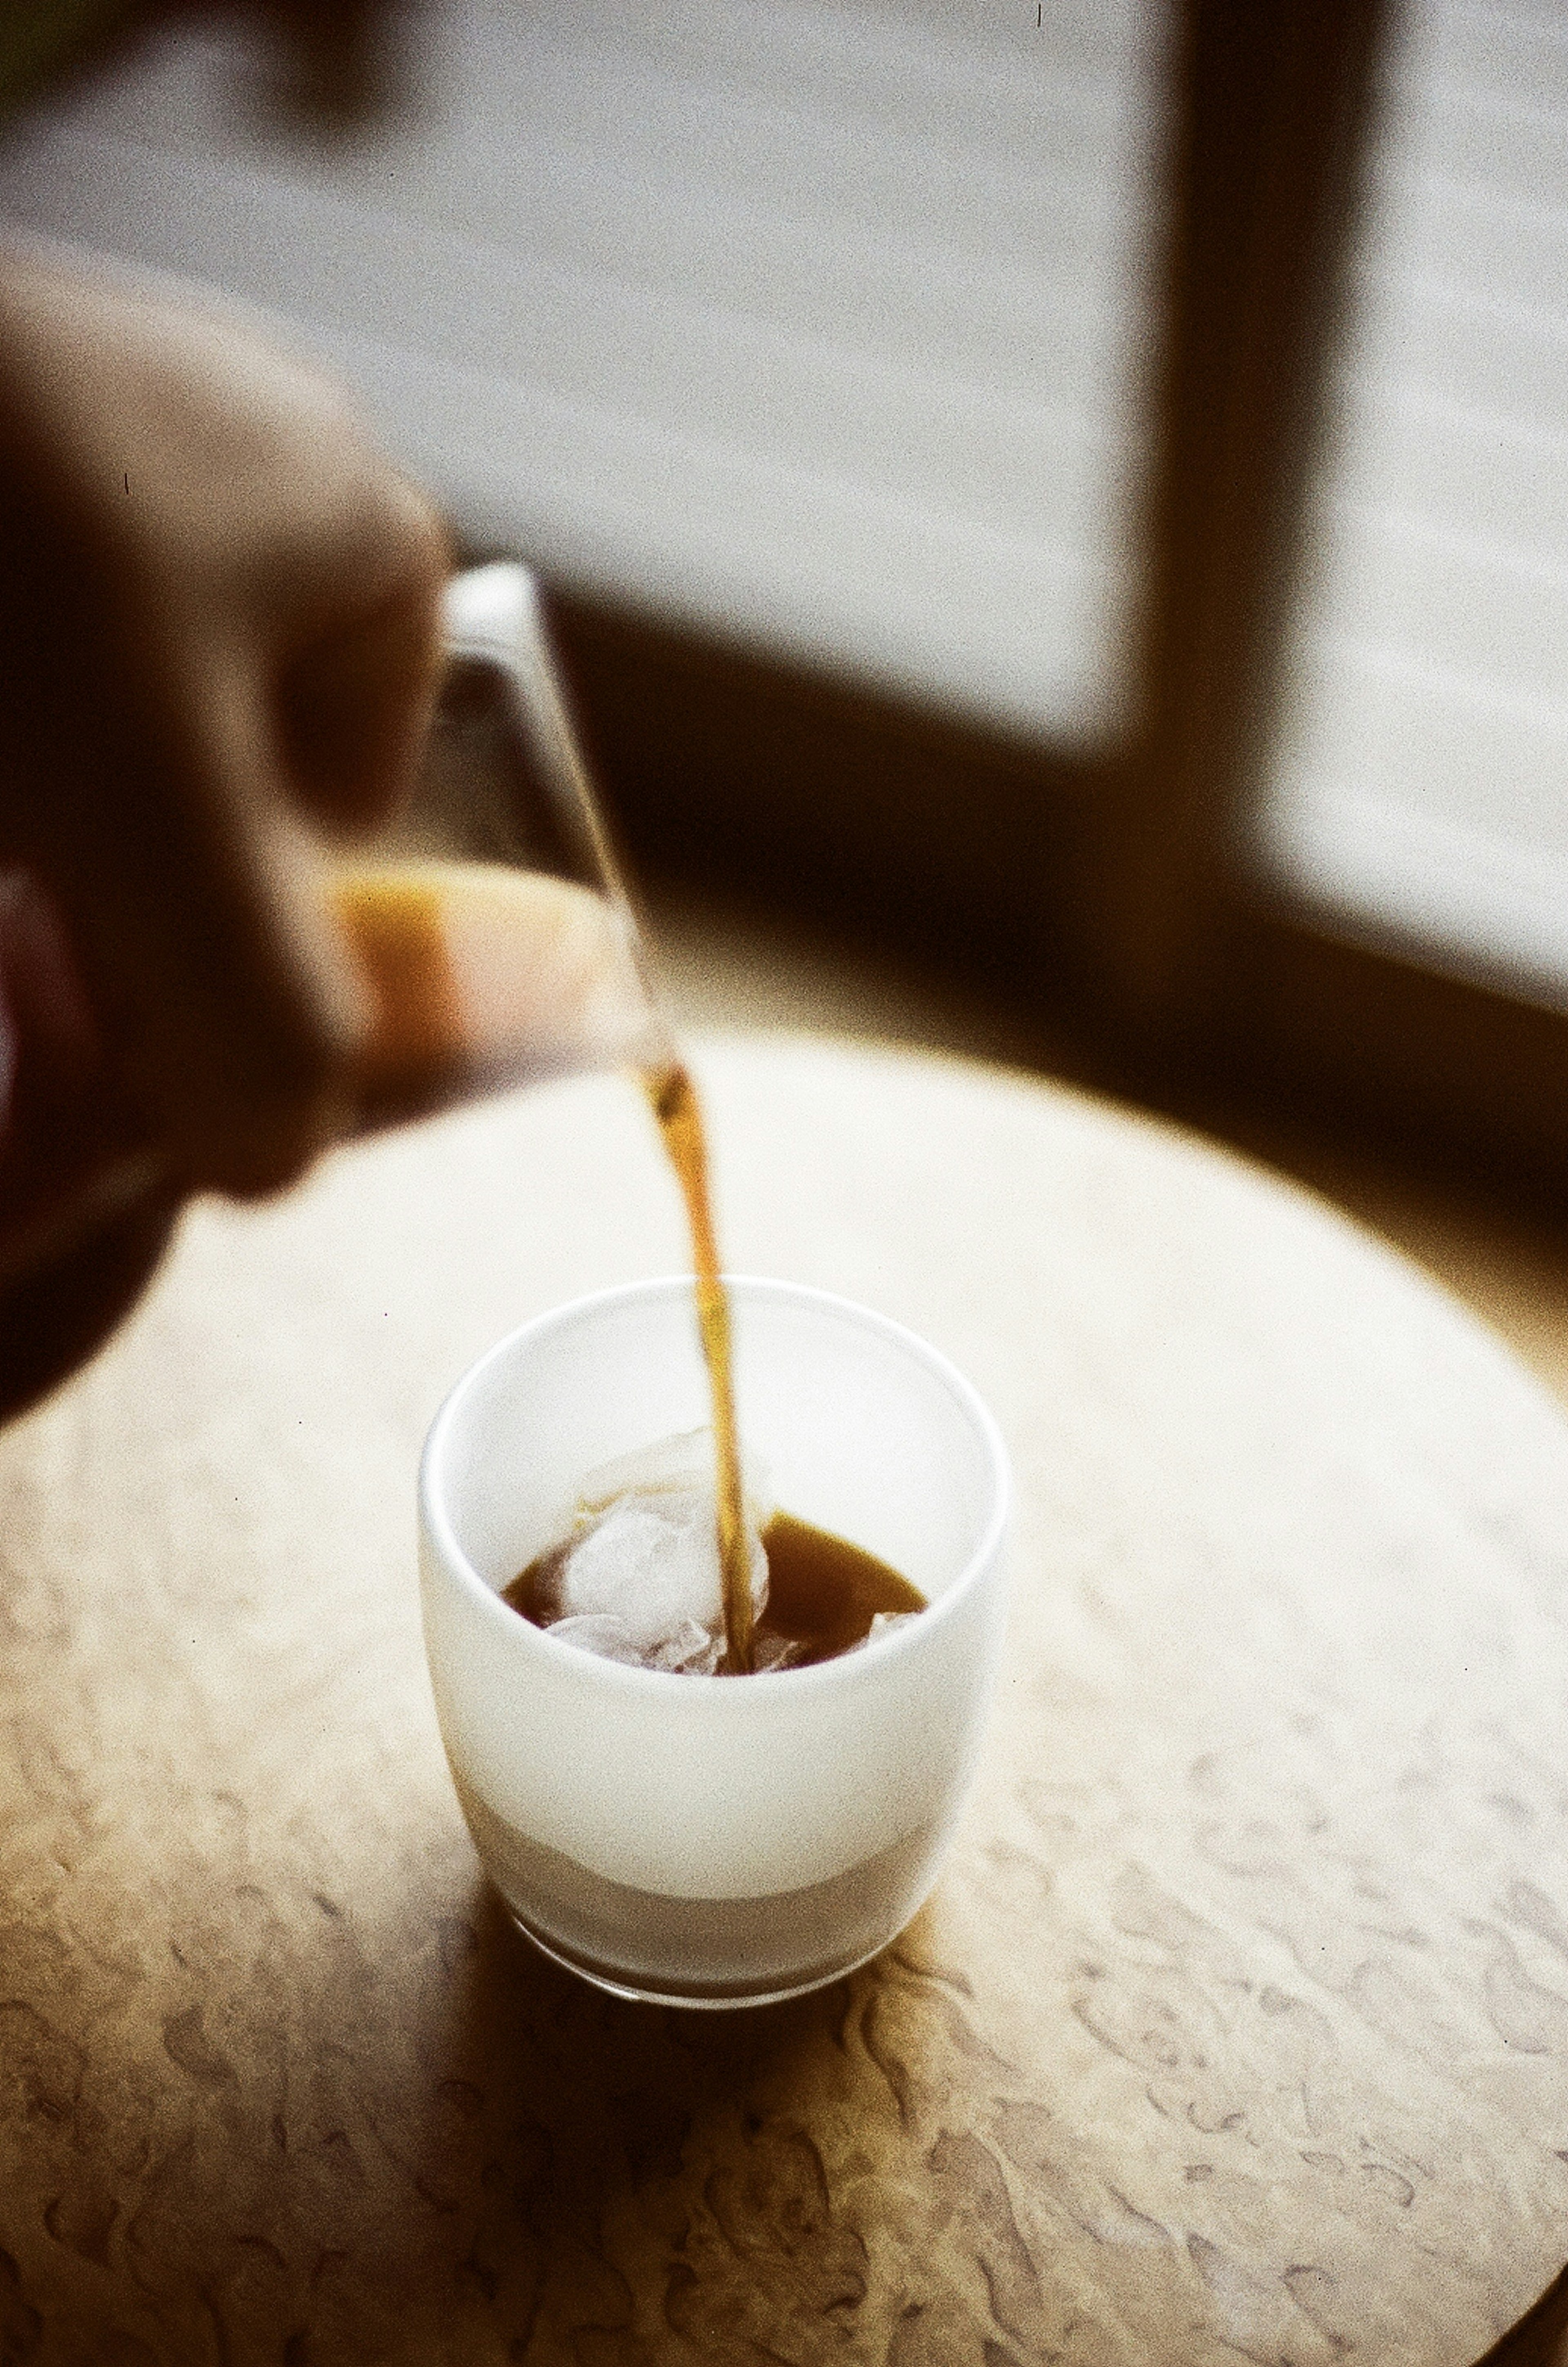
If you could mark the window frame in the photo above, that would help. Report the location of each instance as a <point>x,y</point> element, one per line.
<point>1110,893</point>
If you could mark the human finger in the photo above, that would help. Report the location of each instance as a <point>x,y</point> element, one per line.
<point>353,703</point>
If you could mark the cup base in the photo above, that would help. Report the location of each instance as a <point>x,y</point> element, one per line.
<point>599,1977</point>
<point>669,1950</point>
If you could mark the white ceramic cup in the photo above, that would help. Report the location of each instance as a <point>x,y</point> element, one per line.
<point>702,1840</point>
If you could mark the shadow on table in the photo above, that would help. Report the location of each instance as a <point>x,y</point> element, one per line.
<point>588,2165</point>
<point>1541,2339</point>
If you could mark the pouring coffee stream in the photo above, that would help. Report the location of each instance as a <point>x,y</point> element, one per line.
<point>675,1106</point>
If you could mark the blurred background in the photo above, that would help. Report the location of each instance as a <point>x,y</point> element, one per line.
<point>1056,511</point>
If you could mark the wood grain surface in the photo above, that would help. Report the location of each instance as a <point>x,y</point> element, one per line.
<point>1238,2027</point>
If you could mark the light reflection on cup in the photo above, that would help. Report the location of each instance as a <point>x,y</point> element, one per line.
<point>714,1842</point>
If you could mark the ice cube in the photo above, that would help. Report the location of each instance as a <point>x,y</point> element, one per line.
<point>639,1577</point>
<point>692,1651</point>
<point>595,1632</point>
<point>884,1622</point>
<point>651,1562</point>
<point>776,1652</point>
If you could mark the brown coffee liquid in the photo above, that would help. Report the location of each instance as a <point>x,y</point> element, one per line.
<point>823,1593</point>
<point>675,1102</point>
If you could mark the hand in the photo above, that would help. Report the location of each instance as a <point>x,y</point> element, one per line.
<point>217,604</point>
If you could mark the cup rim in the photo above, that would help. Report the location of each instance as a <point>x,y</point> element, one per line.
<point>456,1565</point>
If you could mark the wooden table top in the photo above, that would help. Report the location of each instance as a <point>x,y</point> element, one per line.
<point>1238,2027</point>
